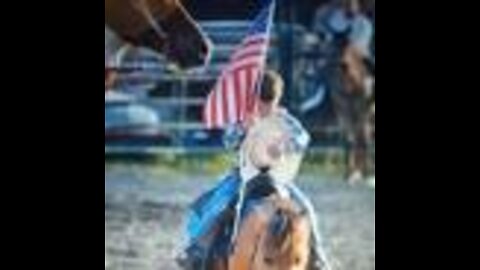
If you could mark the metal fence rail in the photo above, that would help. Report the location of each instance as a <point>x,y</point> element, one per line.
<point>177,97</point>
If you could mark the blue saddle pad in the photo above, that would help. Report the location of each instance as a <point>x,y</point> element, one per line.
<point>207,208</point>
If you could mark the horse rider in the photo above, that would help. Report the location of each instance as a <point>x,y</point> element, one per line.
<point>342,16</point>
<point>260,149</point>
<point>343,25</point>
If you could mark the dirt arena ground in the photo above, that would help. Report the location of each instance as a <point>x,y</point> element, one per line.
<point>145,208</point>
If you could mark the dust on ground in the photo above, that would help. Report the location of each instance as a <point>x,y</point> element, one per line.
<point>145,210</point>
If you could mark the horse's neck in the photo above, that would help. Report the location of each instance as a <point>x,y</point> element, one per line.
<point>356,69</point>
<point>346,68</point>
<point>250,236</point>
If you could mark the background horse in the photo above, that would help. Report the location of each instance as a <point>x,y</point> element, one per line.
<point>347,74</point>
<point>161,25</point>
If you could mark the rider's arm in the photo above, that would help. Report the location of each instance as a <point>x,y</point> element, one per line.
<point>299,137</point>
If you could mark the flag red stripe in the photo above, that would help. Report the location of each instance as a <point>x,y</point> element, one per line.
<point>225,102</point>
<point>220,100</point>
<point>248,83</point>
<point>238,91</point>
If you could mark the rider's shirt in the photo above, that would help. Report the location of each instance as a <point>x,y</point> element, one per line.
<point>359,27</point>
<point>278,142</point>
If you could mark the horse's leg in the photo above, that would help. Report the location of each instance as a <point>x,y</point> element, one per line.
<point>345,116</point>
<point>341,109</point>
<point>357,153</point>
<point>361,133</point>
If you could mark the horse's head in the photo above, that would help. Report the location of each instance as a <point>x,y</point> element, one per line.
<point>286,245</point>
<point>275,235</point>
<point>162,25</point>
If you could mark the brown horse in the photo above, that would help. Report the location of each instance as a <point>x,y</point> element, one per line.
<point>354,76</point>
<point>347,77</point>
<point>161,25</point>
<point>274,236</point>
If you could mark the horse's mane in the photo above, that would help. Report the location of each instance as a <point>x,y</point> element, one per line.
<point>276,236</point>
<point>280,229</point>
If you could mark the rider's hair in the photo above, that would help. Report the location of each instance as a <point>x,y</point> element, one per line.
<point>272,87</point>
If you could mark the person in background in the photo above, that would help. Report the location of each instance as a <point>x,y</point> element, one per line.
<point>341,24</point>
<point>340,17</point>
<point>330,19</point>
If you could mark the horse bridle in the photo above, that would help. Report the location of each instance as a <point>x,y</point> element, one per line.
<point>142,7</point>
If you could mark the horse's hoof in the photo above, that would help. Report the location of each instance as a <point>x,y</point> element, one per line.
<point>355,178</point>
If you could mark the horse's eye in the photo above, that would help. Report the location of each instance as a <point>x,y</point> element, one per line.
<point>268,261</point>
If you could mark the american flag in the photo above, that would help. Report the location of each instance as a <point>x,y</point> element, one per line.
<point>233,95</point>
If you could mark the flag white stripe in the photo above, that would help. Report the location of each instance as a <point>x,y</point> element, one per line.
<point>232,104</point>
